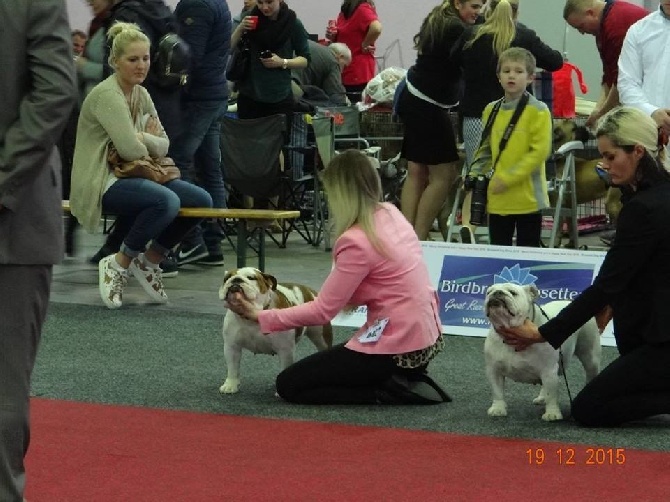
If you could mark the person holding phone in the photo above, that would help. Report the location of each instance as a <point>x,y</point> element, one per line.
<point>278,42</point>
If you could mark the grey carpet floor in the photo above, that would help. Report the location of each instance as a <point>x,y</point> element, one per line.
<point>147,357</point>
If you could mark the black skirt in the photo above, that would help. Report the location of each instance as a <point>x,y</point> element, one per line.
<point>429,134</point>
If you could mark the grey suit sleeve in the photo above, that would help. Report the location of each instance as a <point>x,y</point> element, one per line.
<point>45,107</point>
<point>332,85</point>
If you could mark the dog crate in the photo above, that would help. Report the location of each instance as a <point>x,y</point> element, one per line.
<point>381,128</point>
<point>591,217</point>
<point>590,151</point>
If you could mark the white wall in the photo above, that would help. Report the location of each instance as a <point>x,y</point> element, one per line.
<point>401,20</point>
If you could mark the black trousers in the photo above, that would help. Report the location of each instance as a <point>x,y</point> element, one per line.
<point>633,387</point>
<point>337,376</point>
<point>248,108</point>
<point>24,297</point>
<point>528,229</point>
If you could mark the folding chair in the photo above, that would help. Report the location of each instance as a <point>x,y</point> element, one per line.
<point>341,125</point>
<point>303,193</point>
<point>250,151</point>
<point>346,126</point>
<point>324,137</point>
<point>250,155</point>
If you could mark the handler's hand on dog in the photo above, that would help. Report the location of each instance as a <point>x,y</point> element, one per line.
<point>521,337</point>
<point>241,306</point>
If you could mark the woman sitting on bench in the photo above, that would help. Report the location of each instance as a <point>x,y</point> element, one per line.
<point>119,112</point>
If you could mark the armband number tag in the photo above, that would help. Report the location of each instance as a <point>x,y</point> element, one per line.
<point>374,332</point>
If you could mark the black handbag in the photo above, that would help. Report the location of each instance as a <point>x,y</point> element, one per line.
<point>239,61</point>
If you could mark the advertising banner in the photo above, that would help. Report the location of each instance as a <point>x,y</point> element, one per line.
<point>462,273</point>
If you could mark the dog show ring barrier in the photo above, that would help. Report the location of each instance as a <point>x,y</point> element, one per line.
<point>242,216</point>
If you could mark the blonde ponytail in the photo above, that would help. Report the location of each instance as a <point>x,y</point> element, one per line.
<point>500,23</point>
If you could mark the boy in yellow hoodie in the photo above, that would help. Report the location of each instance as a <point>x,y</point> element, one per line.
<point>517,190</point>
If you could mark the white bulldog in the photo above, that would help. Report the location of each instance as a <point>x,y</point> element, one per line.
<point>239,333</point>
<point>509,305</point>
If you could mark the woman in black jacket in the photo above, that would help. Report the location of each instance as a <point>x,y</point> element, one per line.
<point>477,52</point>
<point>429,91</point>
<point>632,286</point>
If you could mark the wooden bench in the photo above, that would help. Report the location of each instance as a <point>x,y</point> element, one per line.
<point>242,216</point>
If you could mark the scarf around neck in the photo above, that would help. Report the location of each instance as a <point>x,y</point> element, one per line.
<point>269,34</point>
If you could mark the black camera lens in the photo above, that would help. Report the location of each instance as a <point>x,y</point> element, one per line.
<point>266,54</point>
<point>478,205</point>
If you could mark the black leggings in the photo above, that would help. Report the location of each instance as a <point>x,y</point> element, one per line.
<point>337,376</point>
<point>633,387</point>
<point>528,229</point>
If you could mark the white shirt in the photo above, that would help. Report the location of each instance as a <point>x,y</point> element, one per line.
<point>644,64</point>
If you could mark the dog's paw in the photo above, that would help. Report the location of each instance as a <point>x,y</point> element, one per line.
<point>540,399</point>
<point>230,386</point>
<point>552,414</point>
<point>498,409</point>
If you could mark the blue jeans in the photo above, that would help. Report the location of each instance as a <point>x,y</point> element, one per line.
<point>197,153</point>
<point>154,208</point>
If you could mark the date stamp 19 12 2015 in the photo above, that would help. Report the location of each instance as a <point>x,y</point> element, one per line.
<point>574,456</point>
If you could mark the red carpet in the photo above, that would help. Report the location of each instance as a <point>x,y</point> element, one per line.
<point>96,453</point>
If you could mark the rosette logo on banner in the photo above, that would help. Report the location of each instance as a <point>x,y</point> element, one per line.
<point>464,280</point>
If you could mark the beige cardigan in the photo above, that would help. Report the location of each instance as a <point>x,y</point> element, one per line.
<point>105,118</point>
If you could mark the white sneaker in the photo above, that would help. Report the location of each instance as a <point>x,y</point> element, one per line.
<point>111,283</point>
<point>151,278</point>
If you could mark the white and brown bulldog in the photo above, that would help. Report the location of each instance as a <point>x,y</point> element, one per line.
<point>239,333</point>
<point>509,305</point>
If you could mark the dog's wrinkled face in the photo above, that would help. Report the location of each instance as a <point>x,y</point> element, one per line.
<point>508,304</point>
<point>251,282</point>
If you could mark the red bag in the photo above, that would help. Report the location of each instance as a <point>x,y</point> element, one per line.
<point>564,92</point>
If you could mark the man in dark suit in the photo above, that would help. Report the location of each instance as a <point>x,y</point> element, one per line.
<point>38,91</point>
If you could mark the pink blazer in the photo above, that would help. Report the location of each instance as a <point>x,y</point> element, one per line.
<point>394,287</point>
